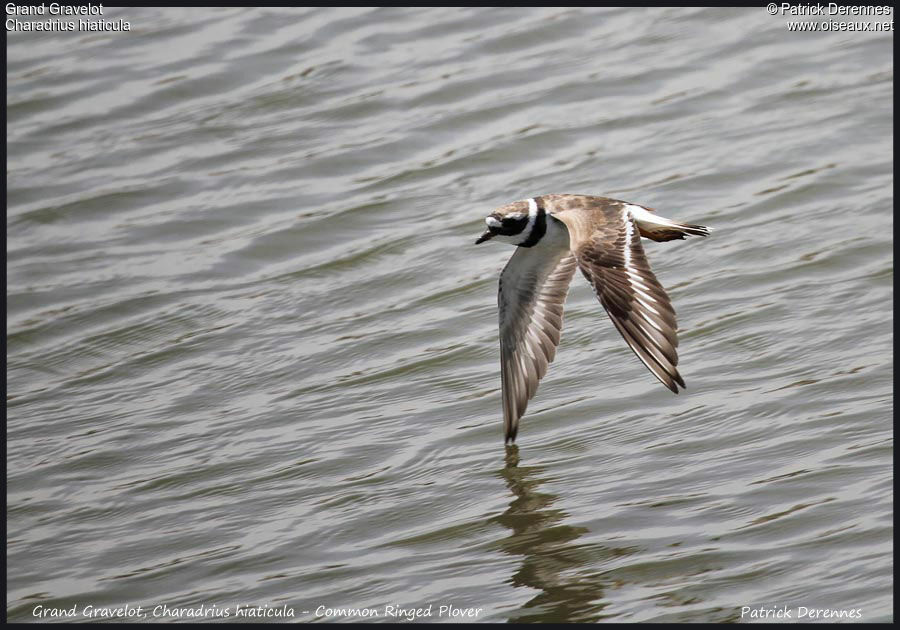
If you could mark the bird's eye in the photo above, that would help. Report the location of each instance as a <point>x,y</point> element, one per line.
<point>514,223</point>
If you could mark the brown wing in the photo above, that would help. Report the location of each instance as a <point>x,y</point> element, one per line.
<point>607,245</point>
<point>533,288</point>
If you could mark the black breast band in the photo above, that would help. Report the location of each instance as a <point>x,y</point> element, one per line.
<point>539,228</point>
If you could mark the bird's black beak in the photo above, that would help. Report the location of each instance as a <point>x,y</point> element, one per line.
<point>488,235</point>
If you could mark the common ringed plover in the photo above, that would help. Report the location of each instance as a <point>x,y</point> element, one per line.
<point>554,234</point>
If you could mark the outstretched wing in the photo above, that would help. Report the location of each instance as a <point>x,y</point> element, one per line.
<point>607,245</point>
<point>533,288</point>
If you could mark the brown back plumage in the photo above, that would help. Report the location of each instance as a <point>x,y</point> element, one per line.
<point>606,242</point>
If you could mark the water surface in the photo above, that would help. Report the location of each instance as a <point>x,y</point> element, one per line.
<point>252,351</point>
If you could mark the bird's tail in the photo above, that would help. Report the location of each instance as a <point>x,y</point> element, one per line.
<point>659,228</point>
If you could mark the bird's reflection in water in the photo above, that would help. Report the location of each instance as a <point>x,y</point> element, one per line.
<point>550,562</point>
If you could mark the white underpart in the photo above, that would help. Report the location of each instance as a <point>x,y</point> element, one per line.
<point>557,234</point>
<point>492,222</point>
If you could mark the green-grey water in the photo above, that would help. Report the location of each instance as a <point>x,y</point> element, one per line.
<point>252,356</point>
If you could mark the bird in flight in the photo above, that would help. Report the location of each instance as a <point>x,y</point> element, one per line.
<point>553,235</point>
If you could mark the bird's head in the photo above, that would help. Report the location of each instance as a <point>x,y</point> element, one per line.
<point>510,223</point>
